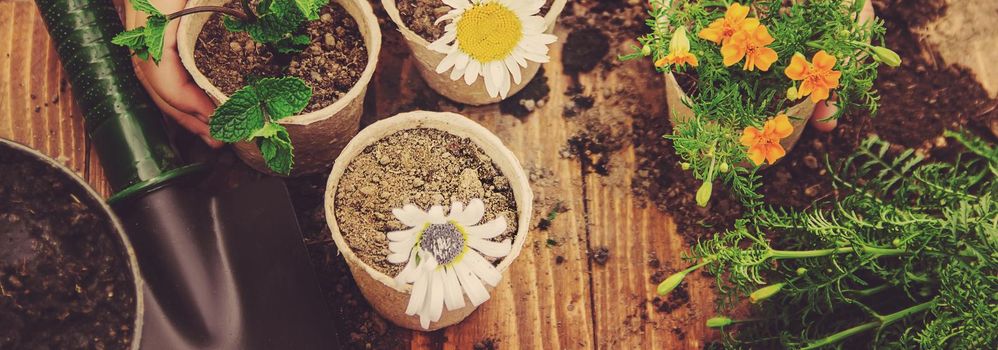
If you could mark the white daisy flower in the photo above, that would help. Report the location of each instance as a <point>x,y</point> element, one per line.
<point>493,39</point>
<point>443,256</point>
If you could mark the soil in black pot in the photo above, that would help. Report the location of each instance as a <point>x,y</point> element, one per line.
<point>423,167</point>
<point>331,64</point>
<point>65,279</point>
<point>419,16</point>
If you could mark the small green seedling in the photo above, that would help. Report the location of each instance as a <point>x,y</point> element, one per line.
<point>277,23</point>
<point>252,112</point>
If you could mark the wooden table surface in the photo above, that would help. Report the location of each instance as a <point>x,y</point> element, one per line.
<point>576,304</point>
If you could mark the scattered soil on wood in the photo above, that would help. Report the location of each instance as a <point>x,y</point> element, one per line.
<point>584,49</point>
<point>65,279</point>
<point>532,97</point>
<point>487,344</point>
<point>600,255</point>
<point>419,16</point>
<point>423,167</point>
<point>331,64</point>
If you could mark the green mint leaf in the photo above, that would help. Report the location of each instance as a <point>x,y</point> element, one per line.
<point>237,119</point>
<point>292,44</point>
<point>145,6</point>
<point>155,29</point>
<point>283,97</point>
<point>276,20</point>
<point>310,8</point>
<point>277,150</point>
<point>134,39</point>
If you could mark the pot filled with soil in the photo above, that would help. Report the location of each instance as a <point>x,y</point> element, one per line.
<point>68,275</point>
<point>416,20</point>
<point>680,112</point>
<point>337,57</point>
<point>429,210</point>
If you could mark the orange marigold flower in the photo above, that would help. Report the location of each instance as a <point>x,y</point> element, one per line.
<point>722,29</point>
<point>750,43</point>
<point>679,51</point>
<point>818,77</point>
<point>764,145</point>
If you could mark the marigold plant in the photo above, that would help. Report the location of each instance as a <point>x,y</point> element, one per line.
<point>745,64</point>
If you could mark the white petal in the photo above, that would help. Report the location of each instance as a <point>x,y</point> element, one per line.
<point>424,320</point>
<point>398,258</point>
<point>472,214</point>
<point>490,248</point>
<point>489,229</point>
<point>409,272</point>
<point>410,215</point>
<point>452,14</point>
<point>491,85</point>
<point>452,290</point>
<point>447,63</point>
<point>462,62</point>
<point>404,234</point>
<point>436,306</point>
<point>533,47</point>
<point>472,285</point>
<point>513,68</point>
<point>458,4</point>
<point>545,38</point>
<point>402,247</point>
<point>503,79</point>
<point>456,74</point>
<point>436,215</point>
<point>440,46</point>
<point>456,209</point>
<point>474,68</point>
<point>482,268</point>
<point>419,291</point>
<point>518,56</point>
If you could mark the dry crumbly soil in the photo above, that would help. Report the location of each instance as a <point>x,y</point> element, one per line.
<point>65,282</point>
<point>331,64</point>
<point>424,167</point>
<point>419,16</point>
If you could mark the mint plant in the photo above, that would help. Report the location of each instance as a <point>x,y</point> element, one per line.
<point>251,113</point>
<point>276,23</point>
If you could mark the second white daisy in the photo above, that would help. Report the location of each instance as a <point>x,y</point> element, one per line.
<point>493,39</point>
<point>443,257</point>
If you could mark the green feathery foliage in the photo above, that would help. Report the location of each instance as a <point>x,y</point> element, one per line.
<point>907,258</point>
<point>725,100</point>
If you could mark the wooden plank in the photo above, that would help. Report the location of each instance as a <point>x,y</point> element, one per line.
<point>37,107</point>
<point>633,233</point>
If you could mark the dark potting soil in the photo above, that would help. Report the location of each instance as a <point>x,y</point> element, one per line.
<point>583,49</point>
<point>331,64</point>
<point>65,279</point>
<point>424,167</point>
<point>419,16</point>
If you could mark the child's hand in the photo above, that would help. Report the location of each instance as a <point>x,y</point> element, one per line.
<point>169,84</point>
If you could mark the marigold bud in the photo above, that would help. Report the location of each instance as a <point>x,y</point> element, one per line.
<point>646,50</point>
<point>723,168</point>
<point>671,282</point>
<point>765,292</point>
<point>703,194</point>
<point>801,271</point>
<point>684,165</point>
<point>886,56</point>
<point>718,322</point>
<point>792,93</point>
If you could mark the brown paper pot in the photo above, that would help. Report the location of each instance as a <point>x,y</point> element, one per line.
<point>318,136</point>
<point>679,112</point>
<point>133,264</point>
<point>389,298</point>
<point>427,61</point>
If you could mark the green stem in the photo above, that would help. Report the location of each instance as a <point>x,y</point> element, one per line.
<point>199,9</point>
<point>871,291</point>
<point>800,254</point>
<point>881,321</point>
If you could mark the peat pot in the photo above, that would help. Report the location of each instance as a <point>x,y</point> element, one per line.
<point>456,90</point>
<point>381,290</point>
<point>317,136</point>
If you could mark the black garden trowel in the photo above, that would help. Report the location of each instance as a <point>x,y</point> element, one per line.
<point>222,270</point>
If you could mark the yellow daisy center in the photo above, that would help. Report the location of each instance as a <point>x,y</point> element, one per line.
<point>488,31</point>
